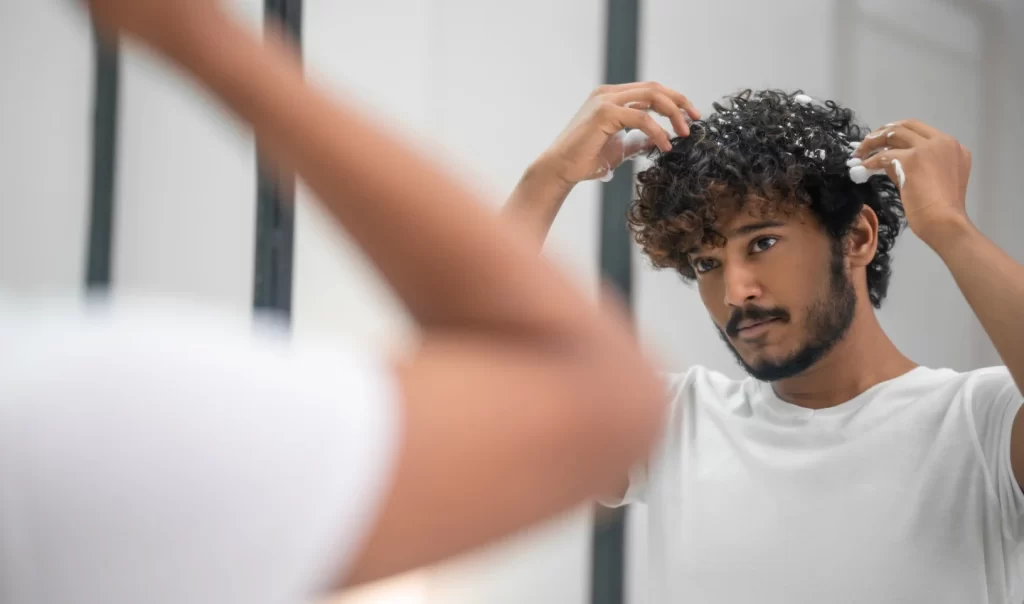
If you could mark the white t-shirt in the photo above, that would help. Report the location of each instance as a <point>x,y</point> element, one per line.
<point>903,494</point>
<point>167,455</point>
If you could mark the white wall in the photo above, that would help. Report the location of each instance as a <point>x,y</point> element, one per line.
<point>47,71</point>
<point>184,218</point>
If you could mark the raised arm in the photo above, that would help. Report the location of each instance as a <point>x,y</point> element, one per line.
<point>523,399</point>
<point>932,170</point>
<point>593,145</point>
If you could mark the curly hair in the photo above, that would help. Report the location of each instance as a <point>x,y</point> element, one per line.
<point>768,151</point>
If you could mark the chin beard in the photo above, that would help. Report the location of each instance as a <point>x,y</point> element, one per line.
<point>828,320</point>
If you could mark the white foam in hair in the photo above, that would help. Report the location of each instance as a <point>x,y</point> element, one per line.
<point>860,174</point>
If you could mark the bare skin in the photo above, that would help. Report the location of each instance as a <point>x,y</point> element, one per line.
<point>516,369</point>
<point>801,248</point>
<point>932,170</point>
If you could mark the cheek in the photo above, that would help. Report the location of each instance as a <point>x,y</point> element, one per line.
<point>713,297</point>
<point>790,280</point>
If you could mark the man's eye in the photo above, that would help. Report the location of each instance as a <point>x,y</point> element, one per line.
<point>763,244</point>
<point>703,265</point>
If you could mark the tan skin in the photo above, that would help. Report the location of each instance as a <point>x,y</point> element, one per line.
<point>936,169</point>
<point>765,262</point>
<point>522,398</point>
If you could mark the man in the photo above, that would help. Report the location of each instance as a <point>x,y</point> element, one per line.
<point>840,471</point>
<point>161,454</point>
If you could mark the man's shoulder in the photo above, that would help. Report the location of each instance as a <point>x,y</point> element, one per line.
<point>989,385</point>
<point>700,384</point>
<point>975,383</point>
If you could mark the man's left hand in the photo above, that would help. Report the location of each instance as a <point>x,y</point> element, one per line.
<point>930,168</point>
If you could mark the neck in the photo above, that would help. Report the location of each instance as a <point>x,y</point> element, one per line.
<point>865,356</point>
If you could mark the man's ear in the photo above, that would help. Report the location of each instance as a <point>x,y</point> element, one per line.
<point>862,240</point>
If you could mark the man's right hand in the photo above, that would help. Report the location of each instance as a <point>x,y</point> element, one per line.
<point>594,144</point>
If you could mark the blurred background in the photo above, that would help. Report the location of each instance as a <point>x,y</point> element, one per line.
<point>118,173</point>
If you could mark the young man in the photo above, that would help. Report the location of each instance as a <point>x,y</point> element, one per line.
<point>840,471</point>
<point>159,454</point>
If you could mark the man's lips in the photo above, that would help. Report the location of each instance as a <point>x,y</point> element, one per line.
<point>752,327</point>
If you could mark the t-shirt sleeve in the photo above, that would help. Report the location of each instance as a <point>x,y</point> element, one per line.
<point>159,460</point>
<point>636,492</point>
<point>995,400</point>
<point>678,389</point>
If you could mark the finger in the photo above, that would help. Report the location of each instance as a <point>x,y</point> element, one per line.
<point>900,137</point>
<point>893,162</point>
<point>641,120</point>
<point>871,144</point>
<point>653,98</point>
<point>881,160</point>
<point>610,89</point>
<point>919,127</point>
<point>892,136</point>
<point>681,101</point>
<point>648,98</point>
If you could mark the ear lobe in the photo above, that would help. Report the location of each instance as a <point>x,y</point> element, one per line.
<point>862,240</point>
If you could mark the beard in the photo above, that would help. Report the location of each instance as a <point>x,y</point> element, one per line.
<point>828,320</point>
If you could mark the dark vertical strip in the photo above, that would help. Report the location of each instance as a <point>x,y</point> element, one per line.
<point>621,66</point>
<point>844,40</point>
<point>275,197</point>
<point>104,157</point>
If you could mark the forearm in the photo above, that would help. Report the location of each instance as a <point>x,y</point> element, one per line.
<point>535,202</point>
<point>993,284</point>
<point>445,256</point>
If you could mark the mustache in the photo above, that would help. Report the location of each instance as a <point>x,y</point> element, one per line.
<point>752,313</point>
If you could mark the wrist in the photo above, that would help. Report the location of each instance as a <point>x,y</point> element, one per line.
<point>541,183</point>
<point>948,233</point>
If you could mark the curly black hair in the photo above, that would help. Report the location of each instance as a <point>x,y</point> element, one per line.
<point>769,151</point>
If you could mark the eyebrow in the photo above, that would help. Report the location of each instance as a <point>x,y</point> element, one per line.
<point>744,230</point>
<point>757,226</point>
